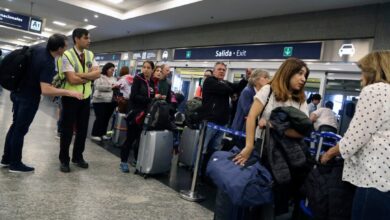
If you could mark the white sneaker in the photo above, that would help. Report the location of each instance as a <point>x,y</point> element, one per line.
<point>96,138</point>
<point>58,136</point>
<point>105,137</point>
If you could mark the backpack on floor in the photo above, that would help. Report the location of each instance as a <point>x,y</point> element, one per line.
<point>13,68</point>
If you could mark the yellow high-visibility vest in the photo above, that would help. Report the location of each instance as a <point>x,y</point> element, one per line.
<point>72,56</point>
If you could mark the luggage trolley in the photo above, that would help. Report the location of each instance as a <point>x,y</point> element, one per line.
<point>317,145</point>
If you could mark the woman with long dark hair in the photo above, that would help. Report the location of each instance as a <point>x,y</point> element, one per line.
<point>142,93</point>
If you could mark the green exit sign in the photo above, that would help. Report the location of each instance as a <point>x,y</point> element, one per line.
<point>188,54</point>
<point>287,51</point>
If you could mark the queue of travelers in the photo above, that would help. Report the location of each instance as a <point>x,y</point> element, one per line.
<point>260,103</point>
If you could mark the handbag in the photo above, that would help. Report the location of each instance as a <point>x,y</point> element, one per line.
<point>139,119</point>
<point>246,186</point>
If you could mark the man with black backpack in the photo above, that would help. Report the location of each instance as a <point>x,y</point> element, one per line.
<point>36,80</point>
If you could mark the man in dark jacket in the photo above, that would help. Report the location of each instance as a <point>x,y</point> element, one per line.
<point>215,105</point>
<point>164,85</point>
<point>240,86</point>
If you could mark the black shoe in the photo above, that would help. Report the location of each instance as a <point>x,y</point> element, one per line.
<point>80,163</point>
<point>65,168</point>
<point>4,164</point>
<point>20,168</point>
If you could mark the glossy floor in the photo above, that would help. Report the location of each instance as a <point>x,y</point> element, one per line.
<point>100,192</point>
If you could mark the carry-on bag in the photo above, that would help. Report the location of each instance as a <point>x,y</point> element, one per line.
<point>120,130</point>
<point>155,152</point>
<point>188,141</point>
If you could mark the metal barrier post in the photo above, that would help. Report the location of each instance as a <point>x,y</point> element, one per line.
<point>191,195</point>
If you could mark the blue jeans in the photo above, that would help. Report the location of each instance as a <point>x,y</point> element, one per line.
<point>370,203</point>
<point>24,110</point>
<point>212,140</point>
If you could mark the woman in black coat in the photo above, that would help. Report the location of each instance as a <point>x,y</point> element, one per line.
<point>142,93</point>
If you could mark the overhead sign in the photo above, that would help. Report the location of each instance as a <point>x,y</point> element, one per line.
<point>108,57</point>
<point>346,49</point>
<point>35,25</point>
<point>307,51</point>
<point>350,50</point>
<point>145,55</point>
<point>19,21</point>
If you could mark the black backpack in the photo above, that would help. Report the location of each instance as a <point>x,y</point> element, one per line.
<point>159,118</point>
<point>13,68</point>
<point>191,112</point>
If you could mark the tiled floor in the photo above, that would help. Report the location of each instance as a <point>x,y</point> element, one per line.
<point>101,192</point>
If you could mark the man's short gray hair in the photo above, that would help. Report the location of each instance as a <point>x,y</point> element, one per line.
<point>220,63</point>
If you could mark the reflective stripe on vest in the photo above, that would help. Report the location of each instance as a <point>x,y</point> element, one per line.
<point>71,55</point>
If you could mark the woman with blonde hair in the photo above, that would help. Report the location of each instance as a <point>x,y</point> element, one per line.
<point>365,146</point>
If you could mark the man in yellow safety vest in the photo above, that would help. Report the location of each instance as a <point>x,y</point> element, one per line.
<point>79,68</point>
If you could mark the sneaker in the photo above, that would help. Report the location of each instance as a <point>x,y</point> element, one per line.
<point>65,168</point>
<point>20,168</point>
<point>124,167</point>
<point>4,164</point>
<point>106,137</point>
<point>96,138</point>
<point>134,163</point>
<point>58,135</point>
<point>81,163</point>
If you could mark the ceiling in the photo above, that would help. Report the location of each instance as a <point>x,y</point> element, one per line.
<point>134,17</point>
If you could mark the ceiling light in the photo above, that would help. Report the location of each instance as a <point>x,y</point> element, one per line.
<point>59,23</point>
<point>89,27</point>
<point>96,16</point>
<point>6,9</point>
<point>48,29</point>
<point>115,1</point>
<point>27,37</point>
<point>85,20</point>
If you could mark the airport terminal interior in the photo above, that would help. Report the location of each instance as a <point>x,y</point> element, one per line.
<point>183,39</point>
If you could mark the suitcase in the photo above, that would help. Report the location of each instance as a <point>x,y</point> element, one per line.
<point>188,141</point>
<point>120,130</point>
<point>155,152</point>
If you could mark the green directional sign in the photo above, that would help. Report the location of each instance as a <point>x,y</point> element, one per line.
<point>287,51</point>
<point>188,54</point>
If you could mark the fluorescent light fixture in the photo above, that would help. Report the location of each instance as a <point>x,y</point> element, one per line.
<point>85,20</point>
<point>48,29</point>
<point>27,37</point>
<point>59,23</point>
<point>89,27</point>
<point>115,1</point>
<point>96,16</point>
<point>6,9</point>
